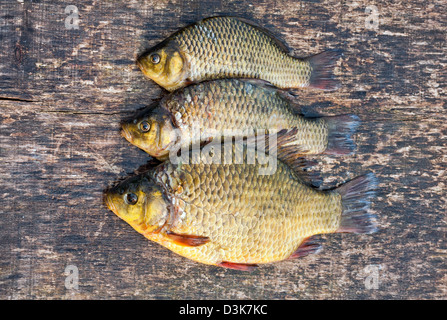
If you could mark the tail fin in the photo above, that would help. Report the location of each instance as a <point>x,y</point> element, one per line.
<point>356,200</point>
<point>341,129</point>
<point>322,76</point>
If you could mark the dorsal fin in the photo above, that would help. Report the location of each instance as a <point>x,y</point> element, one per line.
<point>281,44</point>
<point>268,86</point>
<point>283,93</point>
<point>293,155</point>
<point>297,107</point>
<point>290,154</point>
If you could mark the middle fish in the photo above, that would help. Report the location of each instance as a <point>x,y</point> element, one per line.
<point>237,108</point>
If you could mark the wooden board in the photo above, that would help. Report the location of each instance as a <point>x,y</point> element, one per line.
<point>64,91</point>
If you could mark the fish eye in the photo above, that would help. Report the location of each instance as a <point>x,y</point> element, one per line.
<point>131,198</point>
<point>155,58</point>
<point>145,126</point>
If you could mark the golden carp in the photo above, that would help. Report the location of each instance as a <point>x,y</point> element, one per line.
<point>232,216</point>
<point>237,108</point>
<point>227,47</point>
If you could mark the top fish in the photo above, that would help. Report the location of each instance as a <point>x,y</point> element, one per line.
<point>224,47</point>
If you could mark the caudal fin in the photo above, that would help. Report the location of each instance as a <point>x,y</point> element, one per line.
<point>341,129</point>
<point>356,198</point>
<point>322,76</point>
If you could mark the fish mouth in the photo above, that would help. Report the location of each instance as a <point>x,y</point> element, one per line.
<point>126,134</point>
<point>110,204</point>
<point>139,64</point>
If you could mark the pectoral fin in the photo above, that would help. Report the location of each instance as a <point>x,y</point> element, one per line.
<point>238,266</point>
<point>187,240</point>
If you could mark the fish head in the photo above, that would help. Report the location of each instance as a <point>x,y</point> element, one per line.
<point>140,202</point>
<point>151,130</point>
<point>165,65</point>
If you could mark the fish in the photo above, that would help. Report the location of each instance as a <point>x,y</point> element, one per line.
<point>231,216</point>
<point>203,112</point>
<point>228,47</point>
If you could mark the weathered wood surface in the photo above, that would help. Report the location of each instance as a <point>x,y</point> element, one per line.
<point>64,91</point>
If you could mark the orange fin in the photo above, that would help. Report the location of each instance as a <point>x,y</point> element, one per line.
<point>238,266</point>
<point>308,246</point>
<point>187,240</point>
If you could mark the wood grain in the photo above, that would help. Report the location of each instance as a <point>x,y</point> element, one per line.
<point>64,91</point>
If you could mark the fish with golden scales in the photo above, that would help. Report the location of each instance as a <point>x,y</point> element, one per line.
<point>230,215</point>
<point>236,108</point>
<point>228,47</point>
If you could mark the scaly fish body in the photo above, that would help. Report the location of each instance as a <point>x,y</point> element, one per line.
<point>227,106</point>
<point>227,47</point>
<point>230,215</point>
<point>232,107</point>
<point>249,218</point>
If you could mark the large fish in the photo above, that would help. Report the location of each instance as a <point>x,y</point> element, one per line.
<point>232,216</point>
<point>199,113</point>
<point>224,47</point>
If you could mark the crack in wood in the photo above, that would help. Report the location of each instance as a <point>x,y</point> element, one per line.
<point>17,99</point>
<point>84,113</point>
<point>58,153</point>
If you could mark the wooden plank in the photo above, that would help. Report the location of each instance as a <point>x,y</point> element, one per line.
<point>64,91</point>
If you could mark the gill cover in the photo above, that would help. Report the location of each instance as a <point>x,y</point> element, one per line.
<point>169,70</point>
<point>148,213</point>
<point>152,130</point>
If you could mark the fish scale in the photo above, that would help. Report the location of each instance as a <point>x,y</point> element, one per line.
<point>263,225</point>
<point>233,104</point>
<point>260,219</point>
<point>235,108</point>
<point>226,47</point>
<point>230,215</point>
